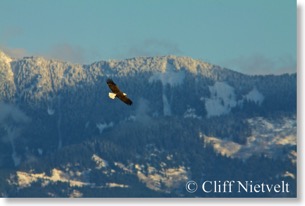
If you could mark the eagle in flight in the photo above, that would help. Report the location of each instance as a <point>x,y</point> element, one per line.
<point>116,92</point>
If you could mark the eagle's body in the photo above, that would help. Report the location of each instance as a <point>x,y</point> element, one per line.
<point>116,92</point>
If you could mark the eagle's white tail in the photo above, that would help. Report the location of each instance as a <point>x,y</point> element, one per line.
<point>112,95</point>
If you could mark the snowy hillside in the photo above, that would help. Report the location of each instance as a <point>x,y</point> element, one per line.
<point>59,129</point>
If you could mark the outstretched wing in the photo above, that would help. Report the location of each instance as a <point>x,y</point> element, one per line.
<point>114,88</point>
<point>124,98</point>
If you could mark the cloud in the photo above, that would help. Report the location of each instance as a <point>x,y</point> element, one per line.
<point>12,121</point>
<point>142,110</point>
<point>72,53</point>
<point>260,64</point>
<point>10,111</point>
<point>17,53</point>
<point>67,52</point>
<point>9,34</point>
<point>63,52</point>
<point>150,47</point>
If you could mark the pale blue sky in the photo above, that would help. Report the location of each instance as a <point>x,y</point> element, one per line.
<point>252,36</point>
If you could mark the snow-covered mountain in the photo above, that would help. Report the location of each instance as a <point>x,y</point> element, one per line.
<point>60,129</point>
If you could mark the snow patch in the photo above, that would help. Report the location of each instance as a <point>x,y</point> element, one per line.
<point>40,151</point>
<point>5,58</point>
<point>269,138</point>
<point>222,99</point>
<point>59,123</point>
<point>224,147</point>
<point>16,158</point>
<point>50,111</point>
<point>113,184</point>
<point>255,96</point>
<point>170,76</point>
<point>191,113</point>
<point>25,179</point>
<point>131,118</point>
<point>171,178</point>
<point>76,194</point>
<point>124,168</point>
<point>100,163</point>
<point>166,106</point>
<point>102,126</point>
<point>87,125</point>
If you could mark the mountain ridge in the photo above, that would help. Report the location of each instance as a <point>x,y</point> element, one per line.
<point>62,134</point>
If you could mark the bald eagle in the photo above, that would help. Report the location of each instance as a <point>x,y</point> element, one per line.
<point>116,92</point>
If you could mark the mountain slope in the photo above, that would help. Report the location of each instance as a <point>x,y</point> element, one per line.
<point>189,120</point>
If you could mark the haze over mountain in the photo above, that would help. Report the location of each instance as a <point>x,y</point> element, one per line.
<point>63,136</point>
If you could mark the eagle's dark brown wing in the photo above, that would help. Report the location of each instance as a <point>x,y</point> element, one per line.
<point>124,98</point>
<point>114,88</point>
